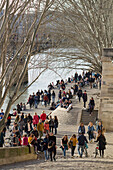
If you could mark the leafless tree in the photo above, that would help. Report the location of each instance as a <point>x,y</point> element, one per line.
<point>86,27</point>
<point>20,22</point>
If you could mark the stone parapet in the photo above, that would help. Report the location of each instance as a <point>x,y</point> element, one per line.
<point>16,154</point>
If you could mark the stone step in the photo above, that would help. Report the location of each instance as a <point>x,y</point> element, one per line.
<point>86,118</point>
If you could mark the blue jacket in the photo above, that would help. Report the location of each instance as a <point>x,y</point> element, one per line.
<point>81,129</point>
<point>91,128</point>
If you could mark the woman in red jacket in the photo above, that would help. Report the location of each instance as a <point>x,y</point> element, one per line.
<point>43,116</point>
<point>35,119</point>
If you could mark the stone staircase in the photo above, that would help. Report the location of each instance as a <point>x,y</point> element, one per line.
<point>86,118</point>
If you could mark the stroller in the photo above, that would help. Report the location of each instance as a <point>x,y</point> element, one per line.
<point>96,150</point>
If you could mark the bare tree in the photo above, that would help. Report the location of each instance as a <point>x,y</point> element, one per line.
<point>84,26</point>
<point>20,23</point>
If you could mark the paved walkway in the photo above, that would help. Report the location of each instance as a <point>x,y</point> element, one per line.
<point>68,124</point>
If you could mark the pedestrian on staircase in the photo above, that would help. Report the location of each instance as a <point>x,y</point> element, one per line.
<point>72,144</point>
<point>64,145</point>
<point>81,128</point>
<point>52,146</point>
<point>102,143</point>
<point>81,144</point>
<point>91,105</point>
<point>84,98</point>
<point>91,131</point>
<point>79,94</point>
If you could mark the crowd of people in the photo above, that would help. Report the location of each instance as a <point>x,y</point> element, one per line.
<point>37,131</point>
<point>48,97</point>
<point>81,140</point>
<point>40,131</point>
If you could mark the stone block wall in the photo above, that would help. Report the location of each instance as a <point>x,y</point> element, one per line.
<point>106,99</point>
<point>16,154</point>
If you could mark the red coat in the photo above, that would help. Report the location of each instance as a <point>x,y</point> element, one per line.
<point>46,126</point>
<point>43,116</point>
<point>35,119</point>
<point>45,98</point>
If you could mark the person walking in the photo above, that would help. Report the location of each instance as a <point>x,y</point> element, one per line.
<point>21,126</point>
<point>79,94</point>
<point>46,127</point>
<point>64,145</point>
<point>43,116</point>
<point>52,146</point>
<point>55,124</point>
<point>91,105</point>
<point>36,100</point>
<point>40,128</point>
<point>30,101</point>
<point>35,119</point>
<point>28,127</point>
<point>102,143</point>
<point>81,144</point>
<point>49,97</point>
<point>91,80</point>
<point>45,99</point>
<point>35,132</point>
<point>15,140</point>
<point>99,126</point>
<point>53,96</point>
<point>17,119</point>
<point>76,76</point>
<point>30,117</point>
<point>59,94</point>
<point>73,141</point>
<point>51,124</point>
<point>45,147</point>
<point>91,131</point>
<point>81,128</point>
<point>8,121</point>
<point>84,98</point>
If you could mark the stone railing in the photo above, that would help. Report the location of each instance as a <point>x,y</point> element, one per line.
<point>17,154</point>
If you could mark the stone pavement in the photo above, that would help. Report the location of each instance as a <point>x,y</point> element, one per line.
<point>68,124</point>
<point>69,163</point>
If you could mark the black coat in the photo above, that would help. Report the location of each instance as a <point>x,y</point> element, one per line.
<point>102,142</point>
<point>85,97</point>
<point>81,140</point>
<point>79,93</point>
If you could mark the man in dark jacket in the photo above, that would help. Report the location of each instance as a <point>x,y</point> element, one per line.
<point>81,143</point>
<point>52,146</point>
<point>35,132</point>
<point>91,105</point>
<point>79,94</point>
<point>84,98</point>
<point>76,88</point>
<point>76,76</point>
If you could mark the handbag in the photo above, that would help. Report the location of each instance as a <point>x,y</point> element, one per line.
<point>70,144</point>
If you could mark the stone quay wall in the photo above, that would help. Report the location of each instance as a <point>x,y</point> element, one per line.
<point>16,154</point>
<point>106,98</point>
